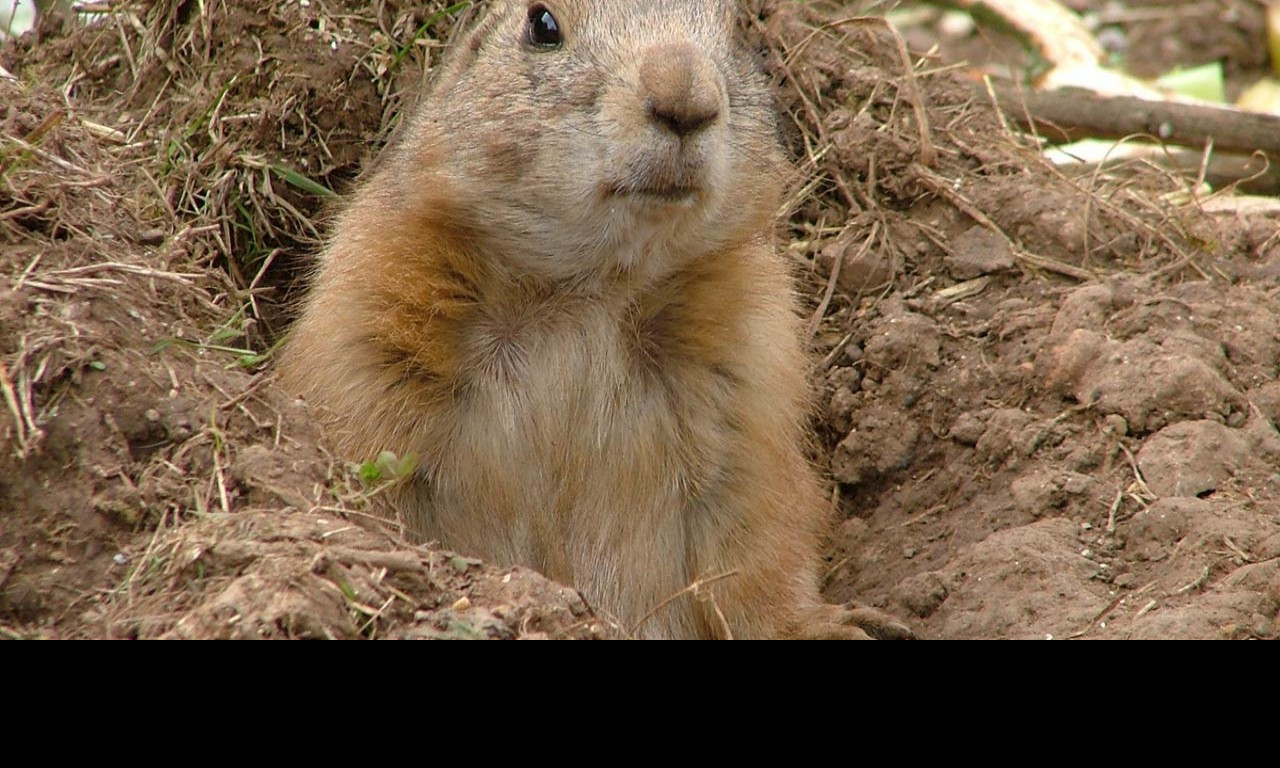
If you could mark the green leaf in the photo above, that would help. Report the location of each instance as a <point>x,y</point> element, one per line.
<point>369,473</point>
<point>347,590</point>
<point>302,182</point>
<point>1204,82</point>
<point>462,564</point>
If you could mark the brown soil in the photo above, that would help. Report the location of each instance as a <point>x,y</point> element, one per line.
<point>1047,403</point>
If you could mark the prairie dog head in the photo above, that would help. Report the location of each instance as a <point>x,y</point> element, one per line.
<point>602,137</point>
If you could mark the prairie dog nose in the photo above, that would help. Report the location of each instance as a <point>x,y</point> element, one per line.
<point>681,87</point>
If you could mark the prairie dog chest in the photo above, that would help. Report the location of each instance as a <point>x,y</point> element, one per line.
<point>579,390</point>
<point>582,441</point>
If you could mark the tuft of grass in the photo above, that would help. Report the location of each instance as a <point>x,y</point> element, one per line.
<point>249,359</point>
<point>403,50</point>
<point>303,183</point>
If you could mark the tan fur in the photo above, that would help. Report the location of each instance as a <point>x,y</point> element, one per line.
<point>576,320</point>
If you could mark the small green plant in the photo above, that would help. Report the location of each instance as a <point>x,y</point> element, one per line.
<point>463,564</point>
<point>387,468</point>
<point>248,359</point>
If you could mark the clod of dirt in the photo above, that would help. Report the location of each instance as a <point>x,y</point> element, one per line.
<point>1008,433</point>
<point>1196,457</point>
<point>861,269</point>
<point>1191,458</point>
<point>922,594</point>
<point>1090,307</point>
<point>1266,399</point>
<point>1043,492</point>
<point>1016,582</point>
<point>1150,385</point>
<point>1154,530</point>
<point>1159,357</point>
<point>1225,615</point>
<point>967,429</point>
<point>902,339</point>
<point>271,574</point>
<point>880,442</point>
<point>1210,568</point>
<point>977,252</point>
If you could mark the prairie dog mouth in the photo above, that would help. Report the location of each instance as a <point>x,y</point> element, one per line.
<point>660,178</point>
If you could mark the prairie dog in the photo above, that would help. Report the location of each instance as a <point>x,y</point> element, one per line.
<point>559,292</point>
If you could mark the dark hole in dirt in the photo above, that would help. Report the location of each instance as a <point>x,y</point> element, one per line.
<point>39,225</point>
<point>143,445</point>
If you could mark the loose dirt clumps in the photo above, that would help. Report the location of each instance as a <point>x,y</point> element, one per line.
<point>1046,402</point>
<point>1019,366</point>
<point>153,485</point>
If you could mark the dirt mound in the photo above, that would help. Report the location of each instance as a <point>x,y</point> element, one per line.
<point>1049,399</point>
<point>1047,402</point>
<point>153,485</point>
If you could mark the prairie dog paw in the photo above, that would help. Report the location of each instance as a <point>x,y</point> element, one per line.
<point>850,622</point>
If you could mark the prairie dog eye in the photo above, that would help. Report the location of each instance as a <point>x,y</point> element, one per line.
<point>544,30</point>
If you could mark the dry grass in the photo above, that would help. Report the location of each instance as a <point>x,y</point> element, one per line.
<point>876,144</point>
<point>243,118</point>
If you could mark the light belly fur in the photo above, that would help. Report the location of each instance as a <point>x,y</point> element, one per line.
<point>557,428</point>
